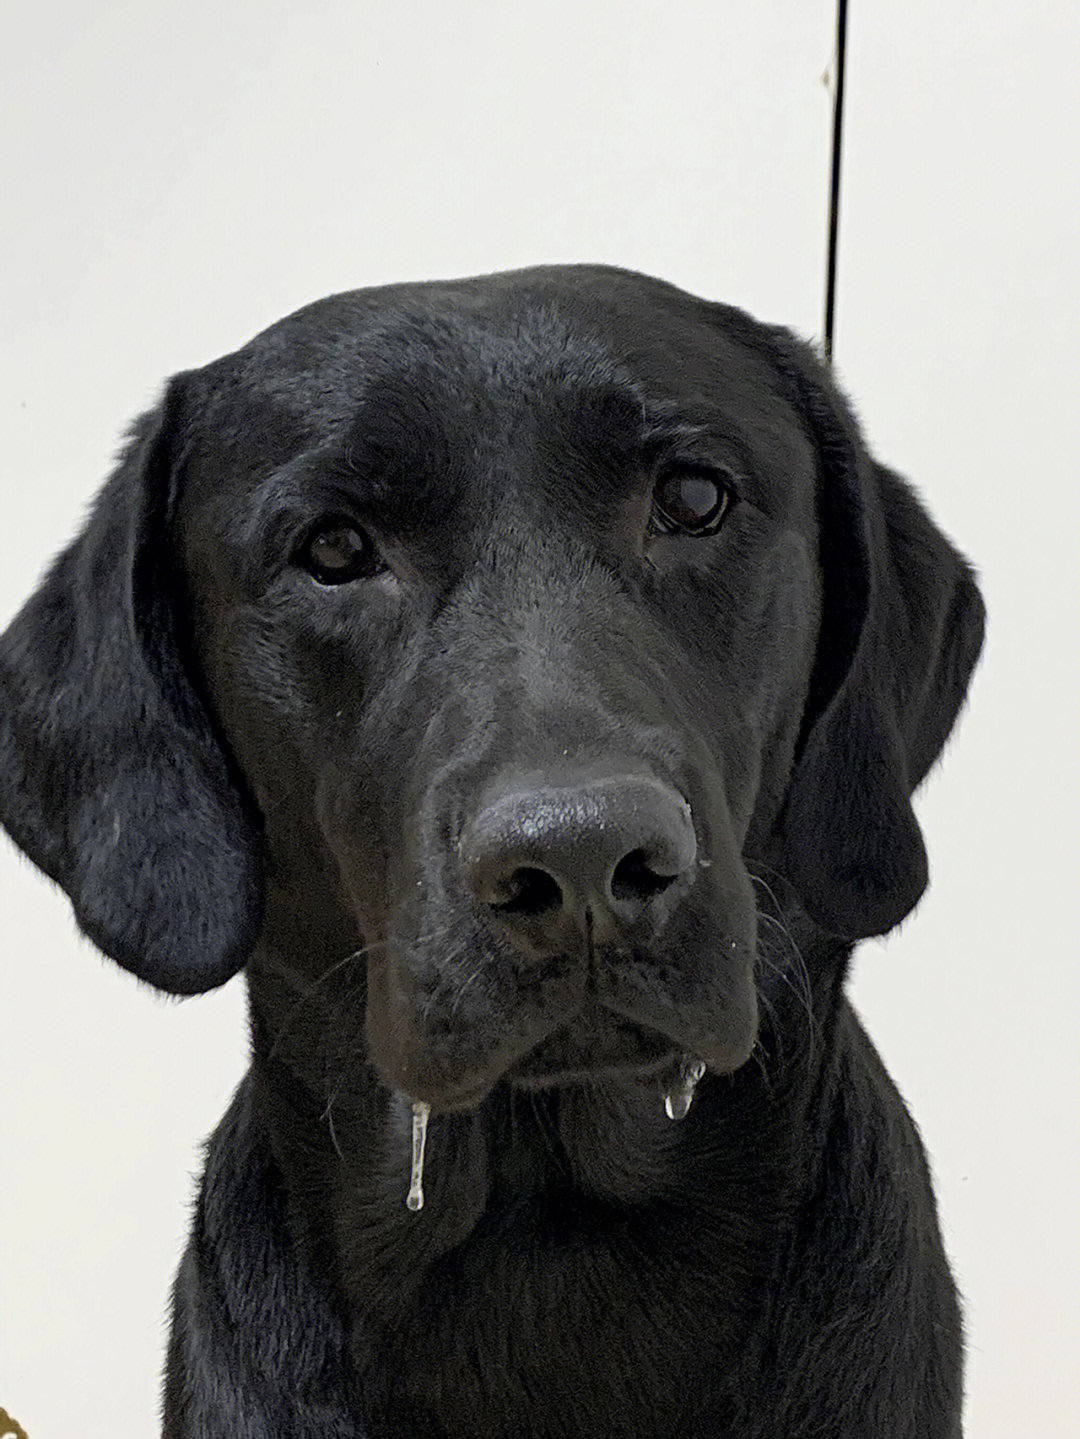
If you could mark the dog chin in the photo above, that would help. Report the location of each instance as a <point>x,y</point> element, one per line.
<point>589,1049</point>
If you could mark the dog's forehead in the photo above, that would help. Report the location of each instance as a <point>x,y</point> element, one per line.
<point>472,357</point>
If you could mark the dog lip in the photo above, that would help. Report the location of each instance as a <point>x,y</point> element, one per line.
<point>591,1045</point>
<point>523,1078</point>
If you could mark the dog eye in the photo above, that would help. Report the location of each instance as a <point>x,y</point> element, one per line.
<point>337,553</point>
<point>690,499</point>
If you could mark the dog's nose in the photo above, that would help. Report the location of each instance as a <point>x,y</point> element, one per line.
<point>551,860</point>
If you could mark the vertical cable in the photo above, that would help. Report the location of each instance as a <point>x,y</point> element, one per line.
<point>834,185</point>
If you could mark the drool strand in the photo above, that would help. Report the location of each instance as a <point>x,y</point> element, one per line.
<point>414,1200</point>
<point>680,1096</point>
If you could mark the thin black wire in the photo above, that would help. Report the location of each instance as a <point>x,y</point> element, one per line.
<point>834,187</point>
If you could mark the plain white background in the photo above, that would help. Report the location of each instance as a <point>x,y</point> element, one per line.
<point>177,177</point>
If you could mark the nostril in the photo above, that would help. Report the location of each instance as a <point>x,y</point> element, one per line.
<point>547,862</point>
<point>528,891</point>
<point>634,879</point>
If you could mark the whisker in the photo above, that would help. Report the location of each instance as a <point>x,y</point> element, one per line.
<point>478,970</point>
<point>759,1048</point>
<point>297,980</point>
<point>328,1115</point>
<point>803,988</point>
<point>802,994</point>
<point>308,994</point>
<point>757,1054</point>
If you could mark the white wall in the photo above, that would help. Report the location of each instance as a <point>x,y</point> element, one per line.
<point>179,177</point>
<point>957,334</point>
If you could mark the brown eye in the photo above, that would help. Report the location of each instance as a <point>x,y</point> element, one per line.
<point>337,553</point>
<point>690,499</point>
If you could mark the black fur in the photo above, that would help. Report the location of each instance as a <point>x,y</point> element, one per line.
<point>224,764</point>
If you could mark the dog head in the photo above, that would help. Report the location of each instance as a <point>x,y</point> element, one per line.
<point>497,629</point>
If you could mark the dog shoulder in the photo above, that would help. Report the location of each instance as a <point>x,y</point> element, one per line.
<point>256,1350</point>
<point>869,1321</point>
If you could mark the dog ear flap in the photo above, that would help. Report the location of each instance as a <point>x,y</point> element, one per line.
<point>111,779</point>
<point>901,630</point>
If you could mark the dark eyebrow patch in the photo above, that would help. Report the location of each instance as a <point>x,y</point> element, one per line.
<point>596,429</point>
<point>406,451</point>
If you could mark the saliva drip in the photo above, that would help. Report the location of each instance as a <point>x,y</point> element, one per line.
<point>677,1101</point>
<point>414,1200</point>
<point>680,1096</point>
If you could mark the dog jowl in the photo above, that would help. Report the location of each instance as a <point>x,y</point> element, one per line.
<point>525,681</point>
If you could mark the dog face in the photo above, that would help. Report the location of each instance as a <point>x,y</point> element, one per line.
<point>500,629</point>
<point>518,637</point>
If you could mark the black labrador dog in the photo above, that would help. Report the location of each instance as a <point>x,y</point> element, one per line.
<point>525,679</point>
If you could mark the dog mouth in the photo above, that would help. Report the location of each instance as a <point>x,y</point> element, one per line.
<point>571,1024</point>
<point>447,1035</point>
<point>592,1046</point>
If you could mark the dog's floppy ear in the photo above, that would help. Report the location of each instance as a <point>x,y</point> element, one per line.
<point>111,779</point>
<point>901,630</point>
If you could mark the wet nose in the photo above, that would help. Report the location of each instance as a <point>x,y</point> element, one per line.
<point>549,861</point>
